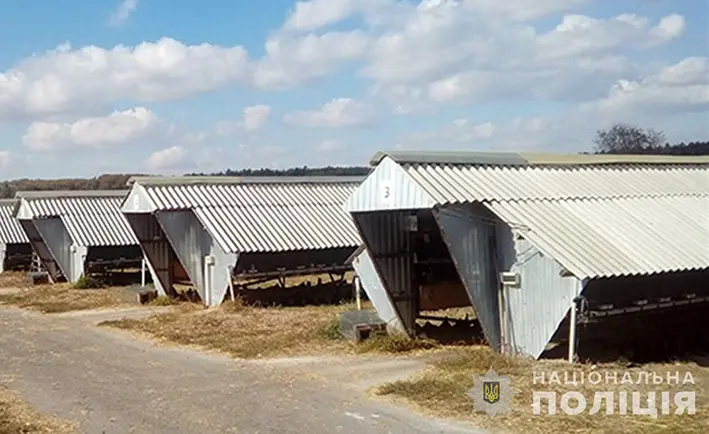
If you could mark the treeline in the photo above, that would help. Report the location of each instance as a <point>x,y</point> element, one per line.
<point>293,171</point>
<point>103,182</point>
<point>118,181</point>
<point>691,148</point>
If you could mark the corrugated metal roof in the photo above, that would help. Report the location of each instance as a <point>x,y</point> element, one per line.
<point>596,220</point>
<point>10,230</point>
<point>91,219</point>
<point>268,216</point>
<point>464,183</point>
<point>529,158</point>
<point>615,237</point>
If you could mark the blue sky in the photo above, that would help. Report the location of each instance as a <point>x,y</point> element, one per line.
<point>88,87</point>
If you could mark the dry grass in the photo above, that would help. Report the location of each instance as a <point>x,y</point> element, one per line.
<point>13,279</point>
<point>442,389</point>
<point>64,298</point>
<point>17,417</point>
<point>252,332</point>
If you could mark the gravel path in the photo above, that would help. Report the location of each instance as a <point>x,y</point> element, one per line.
<point>112,383</point>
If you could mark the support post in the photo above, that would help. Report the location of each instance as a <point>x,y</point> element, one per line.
<point>207,280</point>
<point>142,272</point>
<point>230,271</point>
<point>358,292</point>
<point>503,321</point>
<point>572,332</point>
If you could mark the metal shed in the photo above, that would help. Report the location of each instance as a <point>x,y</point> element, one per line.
<point>15,250</point>
<point>217,228</point>
<point>529,236</point>
<point>73,232</point>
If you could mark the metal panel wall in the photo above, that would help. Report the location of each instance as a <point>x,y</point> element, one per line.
<point>376,292</point>
<point>388,187</point>
<point>390,247</point>
<point>58,242</point>
<point>536,309</point>
<point>192,243</point>
<point>40,248</point>
<point>471,243</point>
<point>156,249</point>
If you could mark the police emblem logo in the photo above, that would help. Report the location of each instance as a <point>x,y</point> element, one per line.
<point>491,393</point>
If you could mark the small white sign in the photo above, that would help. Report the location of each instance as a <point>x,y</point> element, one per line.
<point>385,192</point>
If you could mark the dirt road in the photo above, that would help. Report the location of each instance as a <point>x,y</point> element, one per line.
<point>113,383</point>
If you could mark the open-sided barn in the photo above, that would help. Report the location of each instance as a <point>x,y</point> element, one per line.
<point>74,232</point>
<point>221,228</point>
<point>15,248</point>
<point>533,240</point>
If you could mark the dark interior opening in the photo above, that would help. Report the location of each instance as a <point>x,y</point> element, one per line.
<point>643,319</point>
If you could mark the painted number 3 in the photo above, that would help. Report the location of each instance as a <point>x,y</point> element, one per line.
<point>386,192</point>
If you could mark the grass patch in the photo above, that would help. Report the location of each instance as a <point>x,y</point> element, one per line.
<point>13,279</point>
<point>88,282</point>
<point>17,417</point>
<point>441,390</point>
<point>164,300</point>
<point>63,298</point>
<point>395,344</point>
<point>245,331</point>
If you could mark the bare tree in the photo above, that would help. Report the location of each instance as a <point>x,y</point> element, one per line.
<point>628,139</point>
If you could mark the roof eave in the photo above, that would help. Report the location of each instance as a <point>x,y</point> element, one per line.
<point>215,180</point>
<point>530,158</point>
<point>69,194</point>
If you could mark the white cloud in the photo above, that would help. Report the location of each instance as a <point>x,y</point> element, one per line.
<point>683,86</point>
<point>404,100</point>
<point>255,117</point>
<point>331,145</point>
<point>168,159</point>
<point>465,131</point>
<point>121,14</point>
<point>311,15</point>
<point>521,10</point>
<point>316,14</point>
<point>340,112</point>
<point>581,35</point>
<point>462,51</point>
<point>4,159</point>
<point>98,132</point>
<point>293,60</point>
<point>66,81</point>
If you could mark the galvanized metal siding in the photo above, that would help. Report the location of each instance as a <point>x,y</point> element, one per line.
<point>616,237</point>
<point>388,187</point>
<point>536,309</point>
<point>390,247</point>
<point>471,243</point>
<point>376,292</point>
<point>156,249</point>
<point>58,242</point>
<point>272,217</point>
<point>10,230</point>
<point>459,184</point>
<point>190,243</point>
